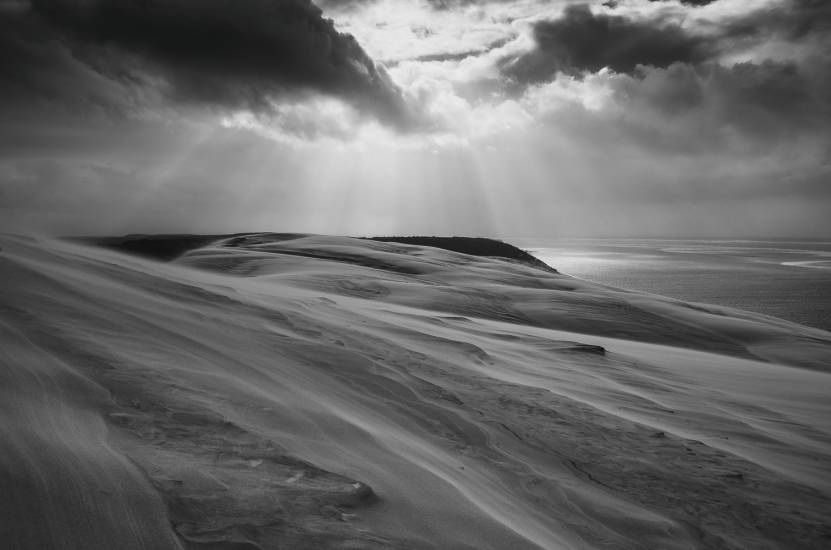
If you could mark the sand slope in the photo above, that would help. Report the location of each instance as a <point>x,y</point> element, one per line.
<point>325,392</point>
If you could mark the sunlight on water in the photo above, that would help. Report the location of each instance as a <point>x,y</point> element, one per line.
<point>790,280</point>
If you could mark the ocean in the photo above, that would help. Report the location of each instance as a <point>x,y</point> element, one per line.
<point>786,279</point>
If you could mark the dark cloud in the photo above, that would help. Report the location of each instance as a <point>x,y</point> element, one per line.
<point>451,4</point>
<point>677,89</point>
<point>239,54</point>
<point>442,5</point>
<point>690,2</point>
<point>674,90</point>
<point>709,106</point>
<point>792,20</point>
<point>38,70</point>
<point>343,5</point>
<point>742,114</point>
<point>438,5</point>
<point>581,41</point>
<point>449,56</point>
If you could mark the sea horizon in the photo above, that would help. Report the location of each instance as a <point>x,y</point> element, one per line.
<point>790,281</point>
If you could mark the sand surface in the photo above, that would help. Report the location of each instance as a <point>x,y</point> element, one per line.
<point>327,392</point>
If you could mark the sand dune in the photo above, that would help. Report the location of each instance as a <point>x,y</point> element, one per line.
<point>327,392</point>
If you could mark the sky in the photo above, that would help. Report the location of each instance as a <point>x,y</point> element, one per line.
<point>501,118</point>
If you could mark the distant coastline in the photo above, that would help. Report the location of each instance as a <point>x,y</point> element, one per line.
<point>789,279</point>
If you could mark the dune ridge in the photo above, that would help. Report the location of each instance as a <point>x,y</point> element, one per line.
<point>305,391</point>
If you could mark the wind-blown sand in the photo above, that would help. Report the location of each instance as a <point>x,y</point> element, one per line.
<point>326,392</point>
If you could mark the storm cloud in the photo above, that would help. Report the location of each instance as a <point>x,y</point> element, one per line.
<point>741,108</point>
<point>793,20</point>
<point>241,54</point>
<point>582,41</point>
<point>690,2</point>
<point>678,85</point>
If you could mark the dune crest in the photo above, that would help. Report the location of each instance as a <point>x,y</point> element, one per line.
<point>305,391</point>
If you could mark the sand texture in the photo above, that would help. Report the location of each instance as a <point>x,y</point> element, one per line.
<point>304,392</point>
